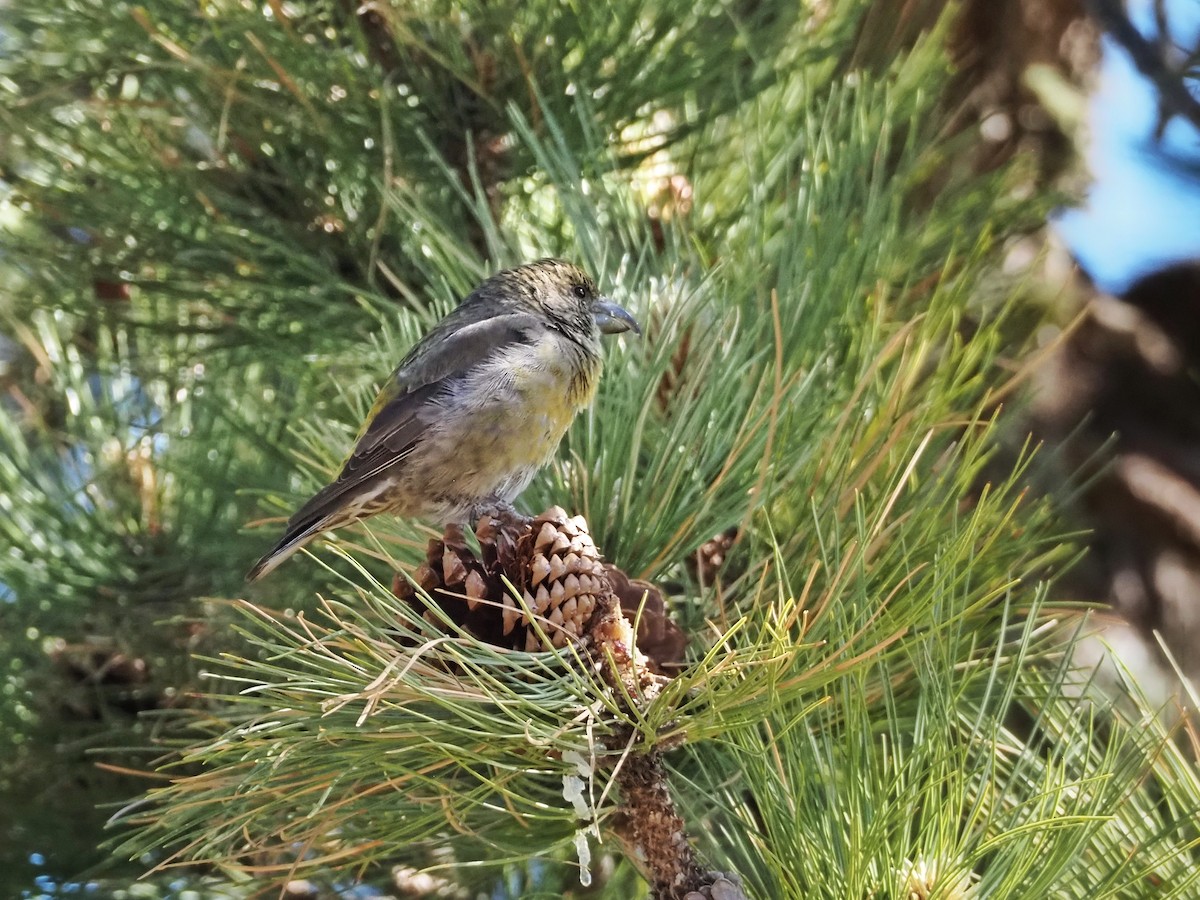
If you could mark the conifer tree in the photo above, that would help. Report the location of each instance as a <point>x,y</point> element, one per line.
<point>225,224</point>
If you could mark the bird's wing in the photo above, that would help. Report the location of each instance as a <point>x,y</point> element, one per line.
<point>402,412</point>
<point>395,421</point>
<point>401,415</point>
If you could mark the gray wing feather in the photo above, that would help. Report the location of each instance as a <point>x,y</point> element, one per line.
<point>399,424</point>
<point>432,363</point>
<point>476,329</point>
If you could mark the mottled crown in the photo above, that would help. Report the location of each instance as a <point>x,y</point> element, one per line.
<point>554,287</point>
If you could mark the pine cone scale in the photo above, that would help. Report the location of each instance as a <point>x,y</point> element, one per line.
<point>552,561</point>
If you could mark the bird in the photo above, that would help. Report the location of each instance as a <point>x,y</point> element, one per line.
<point>475,409</point>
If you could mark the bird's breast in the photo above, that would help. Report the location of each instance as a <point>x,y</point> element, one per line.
<point>497,424</point>
<point>543,387</point>
<point>555,371</point>
<point>512,410</point>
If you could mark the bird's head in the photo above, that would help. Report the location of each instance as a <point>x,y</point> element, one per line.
<point>567,297</point>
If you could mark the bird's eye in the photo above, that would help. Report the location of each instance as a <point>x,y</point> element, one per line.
<point>580,291</point>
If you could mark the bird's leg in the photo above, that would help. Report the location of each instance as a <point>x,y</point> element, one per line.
<point>503,514</point>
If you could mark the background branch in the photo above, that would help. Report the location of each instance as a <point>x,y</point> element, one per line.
<point>1150,58</point>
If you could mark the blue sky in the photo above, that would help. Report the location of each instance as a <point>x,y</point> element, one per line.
<point>1139,215</point>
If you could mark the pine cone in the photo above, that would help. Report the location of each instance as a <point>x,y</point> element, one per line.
<point>710,557</point>
<point>459,584</point>
<point>550,559</point>
<point>661,640</point>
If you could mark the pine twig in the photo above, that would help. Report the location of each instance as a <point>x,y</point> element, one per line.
<point>647,824</point>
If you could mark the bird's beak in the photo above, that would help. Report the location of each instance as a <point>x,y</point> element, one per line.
<point>613,319</point>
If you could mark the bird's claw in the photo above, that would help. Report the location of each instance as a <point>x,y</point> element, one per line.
<point>504,516</point>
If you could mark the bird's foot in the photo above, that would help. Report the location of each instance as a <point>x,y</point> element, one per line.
<point>503,515</point>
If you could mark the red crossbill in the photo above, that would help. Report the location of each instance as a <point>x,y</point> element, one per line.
<point>475,409</point>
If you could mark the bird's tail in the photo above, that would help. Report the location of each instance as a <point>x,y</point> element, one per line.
<point>326,509</point>
<point>281,551</point>
<point>288,544</point>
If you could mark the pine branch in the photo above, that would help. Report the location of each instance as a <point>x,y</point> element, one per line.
<point>869,697</point>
